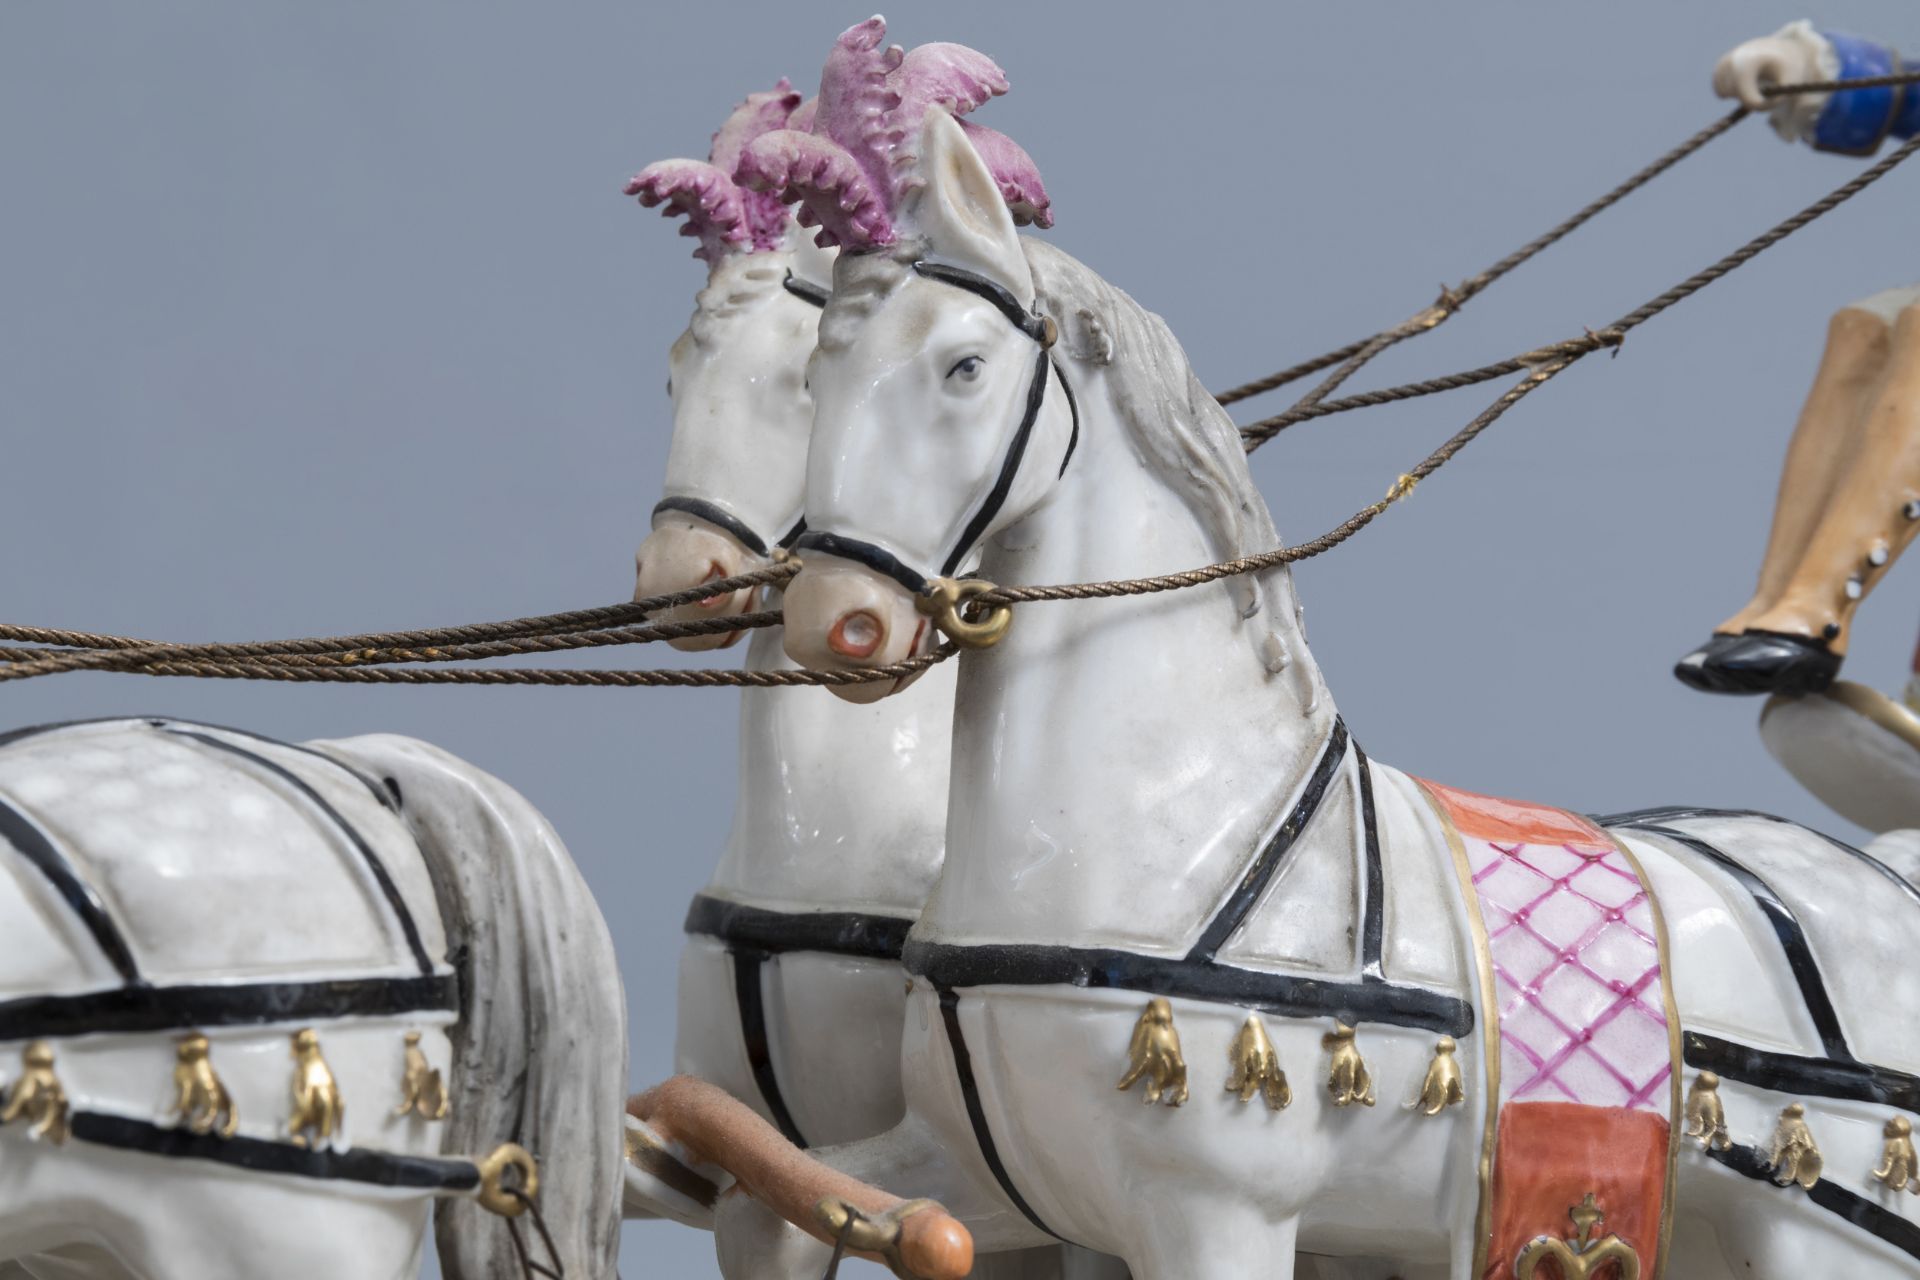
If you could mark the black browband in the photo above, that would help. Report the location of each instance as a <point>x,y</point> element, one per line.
<point>715,514</point>
<point>1042,331</point>
<point>805,290</point>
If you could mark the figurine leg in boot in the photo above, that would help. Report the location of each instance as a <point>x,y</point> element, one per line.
<point>1836,471</point>
<point>1873,515</point>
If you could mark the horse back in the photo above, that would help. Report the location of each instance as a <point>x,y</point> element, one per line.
<point>153,851</point>
<point>1829,928</point>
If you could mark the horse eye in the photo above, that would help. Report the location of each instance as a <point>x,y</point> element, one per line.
<point>967,369</point>
<point>669,388</point>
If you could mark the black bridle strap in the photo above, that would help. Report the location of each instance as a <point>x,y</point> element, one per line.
<point>1026,321</point>
<point>870,554</point>
<point>1073,408</point>
<point>1009,468</point>
<point>1035,326</point>
<point>805,290</point>
<point>714,514</point>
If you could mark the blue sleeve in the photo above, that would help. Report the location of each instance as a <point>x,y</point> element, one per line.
<point>1857,121</point>
<point>1906,122</point>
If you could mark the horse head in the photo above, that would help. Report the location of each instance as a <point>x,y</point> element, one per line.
<point>737,376</point>
<point>934,424</point>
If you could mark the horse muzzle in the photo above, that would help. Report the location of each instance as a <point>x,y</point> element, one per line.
<point>683,552</point>
<point>843,617</point>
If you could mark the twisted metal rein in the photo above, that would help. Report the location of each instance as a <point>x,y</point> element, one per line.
<point>356,659</point>
<point>1356,354</point>
<point>617,615</point>
<point>553,677</point>
<point>366,658</point>
<point>1544,364</point>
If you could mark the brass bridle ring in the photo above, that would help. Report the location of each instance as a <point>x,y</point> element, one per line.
<point>945,600</point>
<point>494,1194</point>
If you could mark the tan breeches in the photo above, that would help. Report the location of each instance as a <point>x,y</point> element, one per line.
<point>1850,489</point>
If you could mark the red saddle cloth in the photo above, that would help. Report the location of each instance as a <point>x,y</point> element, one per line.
<point>1579,1035</point>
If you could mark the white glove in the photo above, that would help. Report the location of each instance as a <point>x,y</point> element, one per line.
<point>1792,55</point>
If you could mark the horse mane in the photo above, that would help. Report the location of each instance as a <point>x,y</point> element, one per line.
<point>1180,429</point>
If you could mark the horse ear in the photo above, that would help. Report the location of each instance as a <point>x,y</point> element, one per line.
<point>960,208</point>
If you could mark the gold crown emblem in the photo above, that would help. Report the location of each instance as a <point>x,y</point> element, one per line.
<point>1580,1256</point>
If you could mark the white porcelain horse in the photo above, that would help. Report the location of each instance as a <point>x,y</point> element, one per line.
<point>790,983</point>
<point>262,1004</point>
<point>791,994</point>
<point>1154,798</point>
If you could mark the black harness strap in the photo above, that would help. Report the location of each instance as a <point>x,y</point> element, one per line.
<point>141,1007</point>
<point>378,869</point>
<point>1259,873</point>
<point>1786,927</point>
<point>387,798</point>
<point>838,933</point>
<point>1806,1077</point>
<point>750,998</point>
<point>259,1155</point>
<point>1902,1233</point>
<point>1373,913</point>
<point>1907,888</point>
<point>977,1113</point>
<point>1284,995</point>
<point>13,736</point>
<point>754,935</point>
<point>17,829</point>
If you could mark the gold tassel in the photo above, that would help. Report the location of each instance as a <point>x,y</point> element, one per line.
<point>1795,1156</point>
<point>421,1089</point>
<point>1444,1086</point>
<point>1898,1167</point>
<point>318,1112</point>
<point>1154,1053</point>
<point>199,1098</point>
<point>1256,1066</point>
<point>1348,1079</point>
<point>1706,1117</point>
<point>37,1096</point>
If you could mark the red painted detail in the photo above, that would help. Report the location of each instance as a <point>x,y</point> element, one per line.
<point>1551,1155</point>
<point>714,574</point>
<point>1513,821</point>
<point>838,641</point>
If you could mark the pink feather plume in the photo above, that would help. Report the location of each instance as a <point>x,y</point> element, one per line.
<point>848,156</point>
<point>724,216</point>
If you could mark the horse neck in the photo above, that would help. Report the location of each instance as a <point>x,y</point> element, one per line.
<point>840,806</point>
<point>1116,760</point>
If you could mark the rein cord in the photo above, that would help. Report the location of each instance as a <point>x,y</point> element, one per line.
<point>408,657</point>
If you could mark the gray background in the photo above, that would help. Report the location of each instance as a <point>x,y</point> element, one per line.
<point>329,318</point>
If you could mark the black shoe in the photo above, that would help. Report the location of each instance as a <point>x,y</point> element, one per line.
<point>1759,662</point>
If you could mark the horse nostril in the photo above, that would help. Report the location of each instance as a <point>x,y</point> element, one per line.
<point>714,573</point>
<point>856,635</point>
